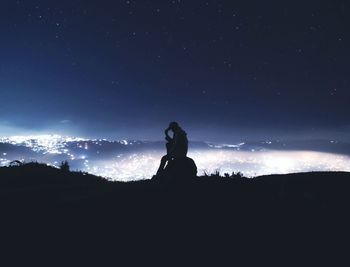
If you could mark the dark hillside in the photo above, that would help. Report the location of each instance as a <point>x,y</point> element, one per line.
<point>51,214</point>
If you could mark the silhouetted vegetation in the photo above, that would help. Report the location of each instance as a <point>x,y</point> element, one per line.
<point>233,175</point>
<point>64,166</point>
<point>16,163</point>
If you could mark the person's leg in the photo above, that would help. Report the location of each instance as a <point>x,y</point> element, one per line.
<point>163,161</point>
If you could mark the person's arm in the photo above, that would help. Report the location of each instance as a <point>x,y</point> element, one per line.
<point>173,148</point>
<point>167,137</point>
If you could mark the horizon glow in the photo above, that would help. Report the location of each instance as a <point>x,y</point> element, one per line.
<point>138,165</point>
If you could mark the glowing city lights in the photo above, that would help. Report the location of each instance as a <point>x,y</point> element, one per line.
<point>129,160</point>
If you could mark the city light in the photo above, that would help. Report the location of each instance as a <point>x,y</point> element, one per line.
<point>129,160</point>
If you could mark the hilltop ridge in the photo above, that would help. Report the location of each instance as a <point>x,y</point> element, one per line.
<point>209,218</point>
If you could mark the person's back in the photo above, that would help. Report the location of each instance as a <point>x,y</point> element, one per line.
<point>180,144</point>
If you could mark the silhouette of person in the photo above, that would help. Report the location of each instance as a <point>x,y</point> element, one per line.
<point>176,146</point>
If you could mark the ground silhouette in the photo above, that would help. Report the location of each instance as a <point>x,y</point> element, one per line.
<point>178,170</point>
<point>53,215</point>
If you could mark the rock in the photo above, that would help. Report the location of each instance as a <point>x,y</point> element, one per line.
<point>181,169</point>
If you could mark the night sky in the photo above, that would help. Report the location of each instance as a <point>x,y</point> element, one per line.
<point>225,70</point>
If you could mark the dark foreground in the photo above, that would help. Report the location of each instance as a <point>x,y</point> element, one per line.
<point>53,217</point>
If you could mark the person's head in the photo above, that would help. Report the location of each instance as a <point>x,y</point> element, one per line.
<point>174,126</point>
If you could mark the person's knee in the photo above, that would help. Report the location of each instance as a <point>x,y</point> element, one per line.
<point>164,158</point>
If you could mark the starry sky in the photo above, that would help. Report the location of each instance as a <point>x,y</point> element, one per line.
<point>225,70</point>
